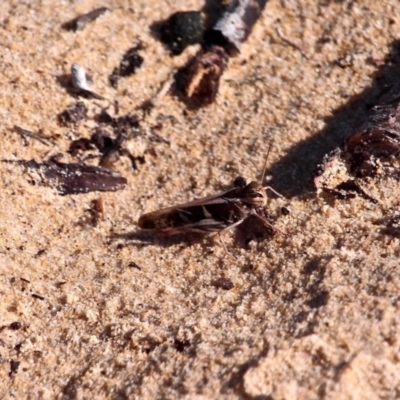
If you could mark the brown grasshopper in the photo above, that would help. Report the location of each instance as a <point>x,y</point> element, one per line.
<point>213,214</point>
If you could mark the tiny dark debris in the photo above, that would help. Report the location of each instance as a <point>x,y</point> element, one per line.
<point>223,283</point>
<point>181,345</point>
<point>37,296</point>
<point>319,299</point>
<point>125,127</point>
<point>285,211</point>
<point>16,325</point>
<point>73,114</point>
<point>14,365</point>
<point>132,264</point>
<point>80,145</point>
<point>391,225</point>
<point>40,252</point>
<point>130,62</point>
<point>182,29</point>
<point>80,22</point>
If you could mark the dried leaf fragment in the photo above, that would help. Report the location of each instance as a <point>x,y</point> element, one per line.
<point>75,178</point>
<point>80,22</point>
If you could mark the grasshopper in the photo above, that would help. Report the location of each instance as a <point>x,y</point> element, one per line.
<point>213,214</point>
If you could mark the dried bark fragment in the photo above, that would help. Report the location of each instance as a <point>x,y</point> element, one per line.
<point>80,22</point>
<point>373,150</point>
<point>181,30</point>
<point>75,178</point>
<point>130,62</point>
<point>73,114</point>
<point>200,78</point>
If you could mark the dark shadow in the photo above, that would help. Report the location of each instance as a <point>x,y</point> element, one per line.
<point>235,380</point>
<point>65,81</point>
<point>390,225</point>
<point>293,173</point>
<point>143,237</point>
<point>251,229</point>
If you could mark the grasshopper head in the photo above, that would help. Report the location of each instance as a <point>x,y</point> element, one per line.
<point>255,195</point>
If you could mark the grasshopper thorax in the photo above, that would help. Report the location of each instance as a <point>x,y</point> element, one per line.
<point>255,195</point>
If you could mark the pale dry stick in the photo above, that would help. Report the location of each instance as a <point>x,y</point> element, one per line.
<point>80,82</point>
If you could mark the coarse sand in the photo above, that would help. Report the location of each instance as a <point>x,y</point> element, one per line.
<point>97,311</point>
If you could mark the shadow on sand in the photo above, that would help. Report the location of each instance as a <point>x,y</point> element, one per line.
<point>293,173</point>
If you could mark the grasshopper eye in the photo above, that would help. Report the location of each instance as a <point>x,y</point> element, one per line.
<point>240,182</point>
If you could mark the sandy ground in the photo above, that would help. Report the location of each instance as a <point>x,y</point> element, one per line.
<point>312,314</point>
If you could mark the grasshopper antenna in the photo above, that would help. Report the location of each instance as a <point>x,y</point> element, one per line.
<point>265,170</point>
<point>265,164</point>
